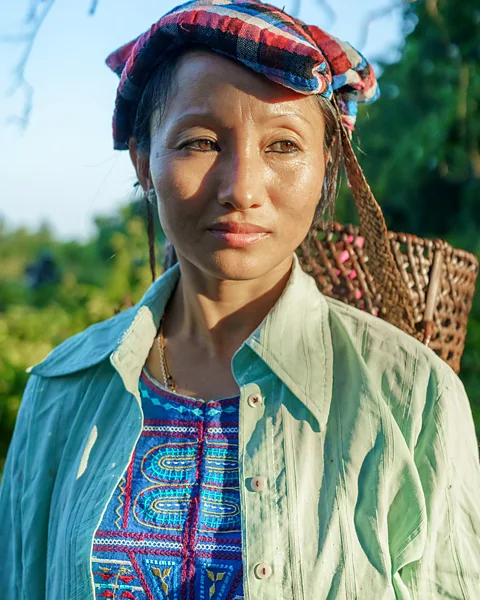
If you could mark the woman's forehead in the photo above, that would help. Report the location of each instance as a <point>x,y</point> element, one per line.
<point>206,81</point>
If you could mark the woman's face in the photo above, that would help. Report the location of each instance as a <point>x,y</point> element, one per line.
<point>234,149</point>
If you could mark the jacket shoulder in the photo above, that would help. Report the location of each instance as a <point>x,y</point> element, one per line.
<point>97,342</point>
<point>86,348</point>
<point>375,338</point>
<point>400,376</point>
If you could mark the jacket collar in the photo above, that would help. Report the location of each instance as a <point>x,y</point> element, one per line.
<point>293,340</point>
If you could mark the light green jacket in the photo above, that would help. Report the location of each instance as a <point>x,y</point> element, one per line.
<point>365,438</point>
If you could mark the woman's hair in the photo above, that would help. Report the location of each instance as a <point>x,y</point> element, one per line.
<point>154,101</point>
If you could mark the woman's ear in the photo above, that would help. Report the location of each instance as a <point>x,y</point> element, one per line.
<point>141,164</point>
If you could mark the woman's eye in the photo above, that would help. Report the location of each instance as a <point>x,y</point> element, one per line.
<point>201,145</point>
<point>285,147</point>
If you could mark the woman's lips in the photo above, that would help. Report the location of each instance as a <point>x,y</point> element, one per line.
<point>239,240</point>
<point>238,235</point>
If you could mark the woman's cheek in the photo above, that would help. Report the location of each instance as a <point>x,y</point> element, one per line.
<point>181,201</point>
<point>173,186</point>
<point>299,189</point>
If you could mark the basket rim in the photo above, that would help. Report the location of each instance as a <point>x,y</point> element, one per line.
<point>439,243</point>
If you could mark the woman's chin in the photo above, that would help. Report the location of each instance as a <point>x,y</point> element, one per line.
<point>238,264</point>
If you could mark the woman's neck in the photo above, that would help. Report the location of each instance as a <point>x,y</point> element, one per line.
<point>219,315</point>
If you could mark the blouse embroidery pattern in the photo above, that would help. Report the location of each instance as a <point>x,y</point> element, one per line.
<point>172,528</point>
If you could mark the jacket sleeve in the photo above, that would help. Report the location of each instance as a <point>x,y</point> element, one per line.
<point>11,493</point>
<point>446,456</point>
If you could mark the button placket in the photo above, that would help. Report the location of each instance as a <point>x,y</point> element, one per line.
<point>256,485</point>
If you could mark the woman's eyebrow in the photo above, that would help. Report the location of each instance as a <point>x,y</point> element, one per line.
<point>290,114</point>
<point>207,115</point>
<point>189,116</point>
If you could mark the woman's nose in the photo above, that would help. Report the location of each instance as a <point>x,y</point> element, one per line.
<point>241,181</point>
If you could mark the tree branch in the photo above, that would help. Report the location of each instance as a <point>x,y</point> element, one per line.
<point>296,7</point>
<point>331,14</point>
<point>32,11</point>
<point>433,11</point>
<point>34,18</point>
<point>373,16</point>
<point>93,7</point>
<point>14,39</point>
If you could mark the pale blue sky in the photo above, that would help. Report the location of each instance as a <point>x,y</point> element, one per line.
<point>62,168</point>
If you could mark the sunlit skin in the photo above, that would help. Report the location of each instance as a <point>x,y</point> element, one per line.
<point>231,146</point>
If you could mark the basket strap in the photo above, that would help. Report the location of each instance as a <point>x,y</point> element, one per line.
<point>381,263</point>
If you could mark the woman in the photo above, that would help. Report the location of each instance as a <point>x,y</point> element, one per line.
<point>237,434</point>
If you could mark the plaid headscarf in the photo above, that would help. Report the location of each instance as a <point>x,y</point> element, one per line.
<point>301,57</point>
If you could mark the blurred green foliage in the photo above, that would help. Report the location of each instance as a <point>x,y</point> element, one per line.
<point>418,144</point>
<point>97,278</point>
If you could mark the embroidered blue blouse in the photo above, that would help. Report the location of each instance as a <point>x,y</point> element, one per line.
<point>172,527</point>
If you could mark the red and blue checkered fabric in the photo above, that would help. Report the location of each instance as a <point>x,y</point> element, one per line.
<point>301,57</point>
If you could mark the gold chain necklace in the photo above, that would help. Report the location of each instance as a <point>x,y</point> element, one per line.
<point>167,378</point>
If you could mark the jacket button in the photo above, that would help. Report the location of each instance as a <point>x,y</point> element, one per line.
<point>258,484</point>
<point>263,571</point>
<point>255,400</point>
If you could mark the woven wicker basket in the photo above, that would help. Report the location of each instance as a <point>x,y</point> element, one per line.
<point>425,287</point>
<point>440,281</point>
